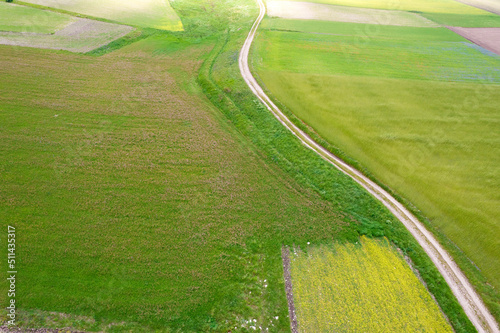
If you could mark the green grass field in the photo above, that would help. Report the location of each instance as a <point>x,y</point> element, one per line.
<point>361,288</point>
<point>151,192</point>
<point>432,140</point>
<point>26,19</point>
<point>156,14</point>
<point>136,203</point>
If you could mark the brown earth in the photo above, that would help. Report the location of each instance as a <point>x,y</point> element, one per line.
<point>488,38</point>
<point>285,255</point>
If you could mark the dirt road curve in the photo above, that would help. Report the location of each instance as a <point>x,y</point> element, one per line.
<point>461,287</point>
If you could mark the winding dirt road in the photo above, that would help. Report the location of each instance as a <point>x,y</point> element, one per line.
<point>461,287</point>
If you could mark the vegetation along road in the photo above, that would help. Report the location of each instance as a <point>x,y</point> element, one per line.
<point>461,287</point>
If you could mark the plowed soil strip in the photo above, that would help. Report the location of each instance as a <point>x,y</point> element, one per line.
<point>285,255</point>
<point>488,38</point>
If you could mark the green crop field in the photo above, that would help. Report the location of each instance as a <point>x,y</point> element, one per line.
<point>452,60</point>
<point>361,288</point>
<point>420,116</point>
<point>156,14</point>
<point>152,192</point>
<point>25,19</point>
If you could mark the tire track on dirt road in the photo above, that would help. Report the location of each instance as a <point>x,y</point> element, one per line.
<point>459,284</point>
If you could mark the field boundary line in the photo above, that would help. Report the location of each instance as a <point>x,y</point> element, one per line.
<point>470,301</point>
<point>287,275</point>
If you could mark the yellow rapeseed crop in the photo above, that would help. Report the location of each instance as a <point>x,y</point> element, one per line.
<point>365,287</point>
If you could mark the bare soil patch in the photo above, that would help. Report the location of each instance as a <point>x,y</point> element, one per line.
<point>314,11</point>
<point>488,38</point>
<point>285,255</point>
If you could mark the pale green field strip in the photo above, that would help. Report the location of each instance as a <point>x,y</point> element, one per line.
<point>429,6</point>
<point>455,60</point>
<point>421,138</point>
<point>144,13</point>
<point>31,20</point>
<point>469,21</point>
<point>365,287</point>
<point>313,11</point>
<point>354,29</point>
<point>492,6</point>
<point>84,35</point>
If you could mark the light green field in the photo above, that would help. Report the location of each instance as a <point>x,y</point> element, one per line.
<point>434,142</point>
<point>145,13</point>
<point>361,288</point>
<point>492,6</point>
<point>429,6</point>
<point>313,11</point>
<point>26,19</point>
<point>83,35</point>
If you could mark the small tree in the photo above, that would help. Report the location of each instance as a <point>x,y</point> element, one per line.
<point>9,0</point>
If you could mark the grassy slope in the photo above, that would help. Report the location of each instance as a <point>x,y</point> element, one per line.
<point>137,204</point>
<point>25,19</point>
<point>361,288</point>
<point>156,14</point>
<point>448,167</point>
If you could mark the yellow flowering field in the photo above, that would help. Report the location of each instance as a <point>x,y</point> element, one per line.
<point>364,287</point>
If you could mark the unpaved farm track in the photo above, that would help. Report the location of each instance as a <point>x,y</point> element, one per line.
<point>461,287</point>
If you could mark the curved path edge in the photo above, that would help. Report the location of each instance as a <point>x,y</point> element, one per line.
<point>470,301</point>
